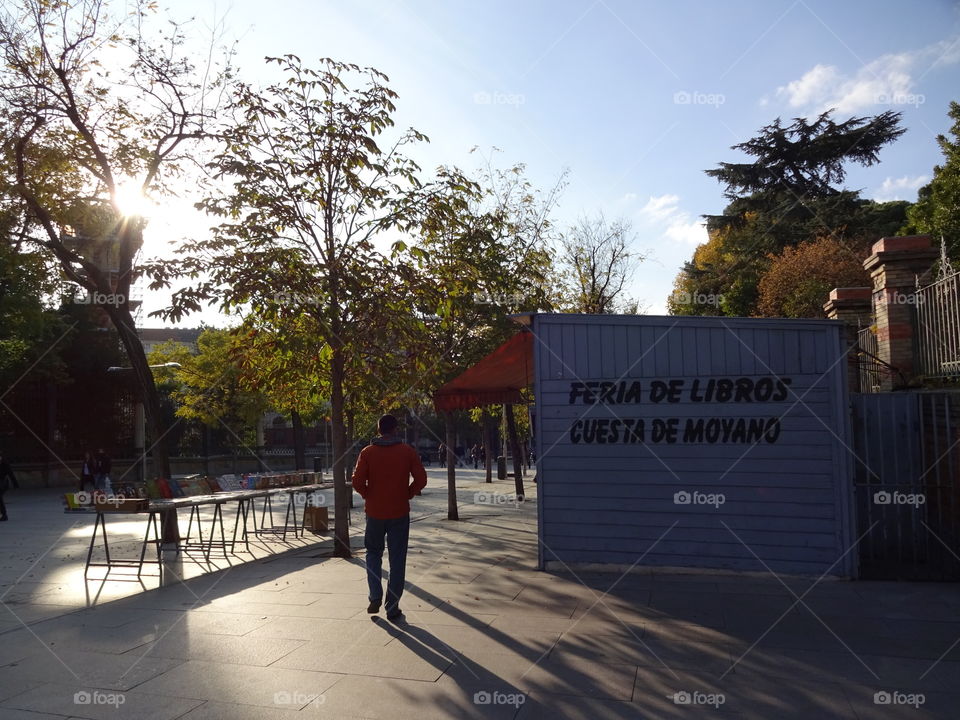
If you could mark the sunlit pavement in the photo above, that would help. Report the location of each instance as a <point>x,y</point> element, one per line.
<point>283,632</point>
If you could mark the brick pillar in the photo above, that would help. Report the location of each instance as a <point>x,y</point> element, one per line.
<point>854,307</point>
<point>893,266</point>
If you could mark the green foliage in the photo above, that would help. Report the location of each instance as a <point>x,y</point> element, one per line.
<point>937,210</point>
<point>29,328</point>
<point>209,384</point>
<point>787,196</point>
<point>805,160</point>
<point>481,254</point>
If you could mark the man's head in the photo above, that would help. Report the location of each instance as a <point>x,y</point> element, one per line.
<point>387,425</point>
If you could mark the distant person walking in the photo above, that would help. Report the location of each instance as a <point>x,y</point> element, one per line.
<point>88,472</point>
<point>382,478</point>
<point>7,480</point>
<point>101,470</point>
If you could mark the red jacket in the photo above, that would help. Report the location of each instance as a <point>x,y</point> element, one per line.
<point>382,477</point>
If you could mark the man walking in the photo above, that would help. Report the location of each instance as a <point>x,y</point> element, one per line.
<point>382,478</point>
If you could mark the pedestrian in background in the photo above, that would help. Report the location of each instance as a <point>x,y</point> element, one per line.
<point>101,470</point>
<point>87,472</point>
<point>7,480</point>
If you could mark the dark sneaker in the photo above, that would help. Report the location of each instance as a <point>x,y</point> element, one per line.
<point>374,607</point>
<point>396,616</point>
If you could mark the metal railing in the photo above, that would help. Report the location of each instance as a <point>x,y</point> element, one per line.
<point>871,371</point>
<point>938,327</point>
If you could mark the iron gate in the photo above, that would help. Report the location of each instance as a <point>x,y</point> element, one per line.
<point>907,484</point>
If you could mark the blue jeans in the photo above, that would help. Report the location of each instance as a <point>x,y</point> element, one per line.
<point>396,531</point>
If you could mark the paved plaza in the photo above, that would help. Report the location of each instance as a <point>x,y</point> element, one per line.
<point>283,632</point>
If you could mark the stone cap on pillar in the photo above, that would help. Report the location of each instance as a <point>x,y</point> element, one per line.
<point>915,252</point>
<point>852,293</point>
<point>849,304</point>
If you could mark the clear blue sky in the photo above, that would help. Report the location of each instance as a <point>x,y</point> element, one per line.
<point>636,99</point>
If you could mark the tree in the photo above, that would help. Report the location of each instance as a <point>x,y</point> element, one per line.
<point>94,102</point>
<point>806,159</point>
<point>788,195</point>
<point>481,253</point>
<point>799,280</point>
<point>937,210</point>
<point>308,189</point>
<point>29,328</point>
<point>597,260</point>
<point>209,385</point>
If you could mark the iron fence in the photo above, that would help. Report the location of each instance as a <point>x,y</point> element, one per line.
<point>870,369</point>
<point>938,327</point>
<point>906,473</point>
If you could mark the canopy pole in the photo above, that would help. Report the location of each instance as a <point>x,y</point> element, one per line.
<point>515,446</point>
<point>453,512</point>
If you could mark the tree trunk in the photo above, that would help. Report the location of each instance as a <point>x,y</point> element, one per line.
<point>299,446</point>
<point>488,445</point>
<point>147,388</point>
<point>351,460</point>
<point>504,432</point>
<point>515,449</point>
<point>341,492</point>
<point>453,512</point>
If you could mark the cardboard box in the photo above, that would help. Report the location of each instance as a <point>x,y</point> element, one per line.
<point>316,519</point>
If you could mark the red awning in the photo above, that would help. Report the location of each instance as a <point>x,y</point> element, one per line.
<point>496,380</point>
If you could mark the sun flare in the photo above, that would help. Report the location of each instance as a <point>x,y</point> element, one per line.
<point>131,201</point>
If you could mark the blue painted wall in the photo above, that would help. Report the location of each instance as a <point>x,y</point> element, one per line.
<point>744,419</point>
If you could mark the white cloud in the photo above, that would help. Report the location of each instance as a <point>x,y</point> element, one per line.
<point>888,80</point>
<point>660,208</point>
<point>812,88</point>
<point>904,188</point>
<point>677,225</point>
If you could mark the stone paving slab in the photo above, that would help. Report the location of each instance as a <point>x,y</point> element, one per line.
<point>185,644</point>
<point>284,634</point>
<point>68,701</point>
<point>222,682</point>
<point>87,669</point>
